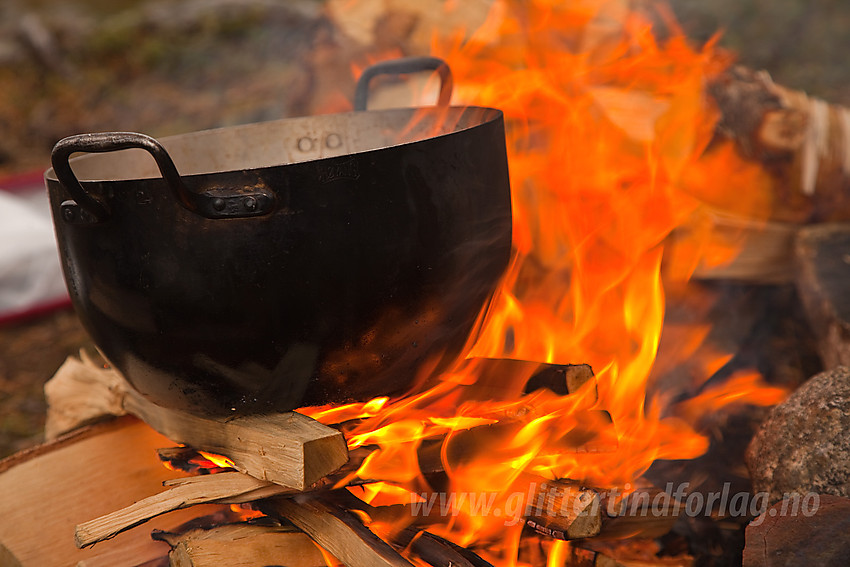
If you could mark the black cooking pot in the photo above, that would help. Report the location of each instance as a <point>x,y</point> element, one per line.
<point>288,263</point>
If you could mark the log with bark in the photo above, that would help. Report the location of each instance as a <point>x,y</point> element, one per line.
<point>802,141</point>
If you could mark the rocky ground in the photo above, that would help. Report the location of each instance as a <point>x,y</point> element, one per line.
<point>167,67</point>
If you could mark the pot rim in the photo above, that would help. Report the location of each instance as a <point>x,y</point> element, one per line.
<point>450,120</point>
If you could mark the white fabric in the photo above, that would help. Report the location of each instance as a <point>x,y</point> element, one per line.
<point>30,271</point>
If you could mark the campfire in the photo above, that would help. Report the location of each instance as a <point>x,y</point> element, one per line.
<point>629,177</point>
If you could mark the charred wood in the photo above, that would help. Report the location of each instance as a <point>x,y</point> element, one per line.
<point>437,551</point>
<point>335,529</point>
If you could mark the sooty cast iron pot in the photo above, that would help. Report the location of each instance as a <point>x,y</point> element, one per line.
<point>267,266</point>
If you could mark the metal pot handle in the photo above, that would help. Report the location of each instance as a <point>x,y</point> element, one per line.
<point>405,66</point>
<point>212,204</point>
<point>110,142</point>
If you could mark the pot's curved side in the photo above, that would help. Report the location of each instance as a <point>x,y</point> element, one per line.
<point>370,264</point>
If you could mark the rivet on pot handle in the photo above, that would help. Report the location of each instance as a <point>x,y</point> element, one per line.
<point>210,204</point>
<point>405,66</point>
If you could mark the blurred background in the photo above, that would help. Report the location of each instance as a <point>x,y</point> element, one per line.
<point>168,67</point>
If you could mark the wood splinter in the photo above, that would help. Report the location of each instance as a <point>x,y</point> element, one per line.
<point>227,488</point>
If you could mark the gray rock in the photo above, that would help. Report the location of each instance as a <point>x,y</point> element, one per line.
<point>804,445</point>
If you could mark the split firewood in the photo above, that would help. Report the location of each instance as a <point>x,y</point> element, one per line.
<point>242,545</point>
<point>577,513</point>
<point>802,145</point>
<point>569,512</point>
<point>558,509</point>
<point>759,251</point>
<point>289,449</point>
<point>561,509</point>
<point>45,491</point>
<point>220,488</point>
<point>227,488</point>
<point>335,529</point>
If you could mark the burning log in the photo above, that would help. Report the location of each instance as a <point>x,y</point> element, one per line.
<point>559,509</point>
<point>803,140</point>
<point>563,379</point>
<point>646,513</point>
<point>241,545</point>
<point>563,509</point>
<point>437,551</point>
<point>798,145</point>
<point>430,548</point>
<point>802,146</point>
<point>289,449</point>
<point>336,530</point>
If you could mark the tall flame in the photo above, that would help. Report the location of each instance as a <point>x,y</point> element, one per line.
<point>610,149</point>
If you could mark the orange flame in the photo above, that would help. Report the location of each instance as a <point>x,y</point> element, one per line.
<point>609,142</point>
<point>217,460</point>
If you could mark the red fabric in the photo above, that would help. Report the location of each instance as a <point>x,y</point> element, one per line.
<point>12,317</point>
<point>22,182</point>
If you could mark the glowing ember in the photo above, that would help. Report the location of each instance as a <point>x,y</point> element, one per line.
<point>218,460</point>
<point>194,462</point>
<point>608,141</point>
<point>243,513</point>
